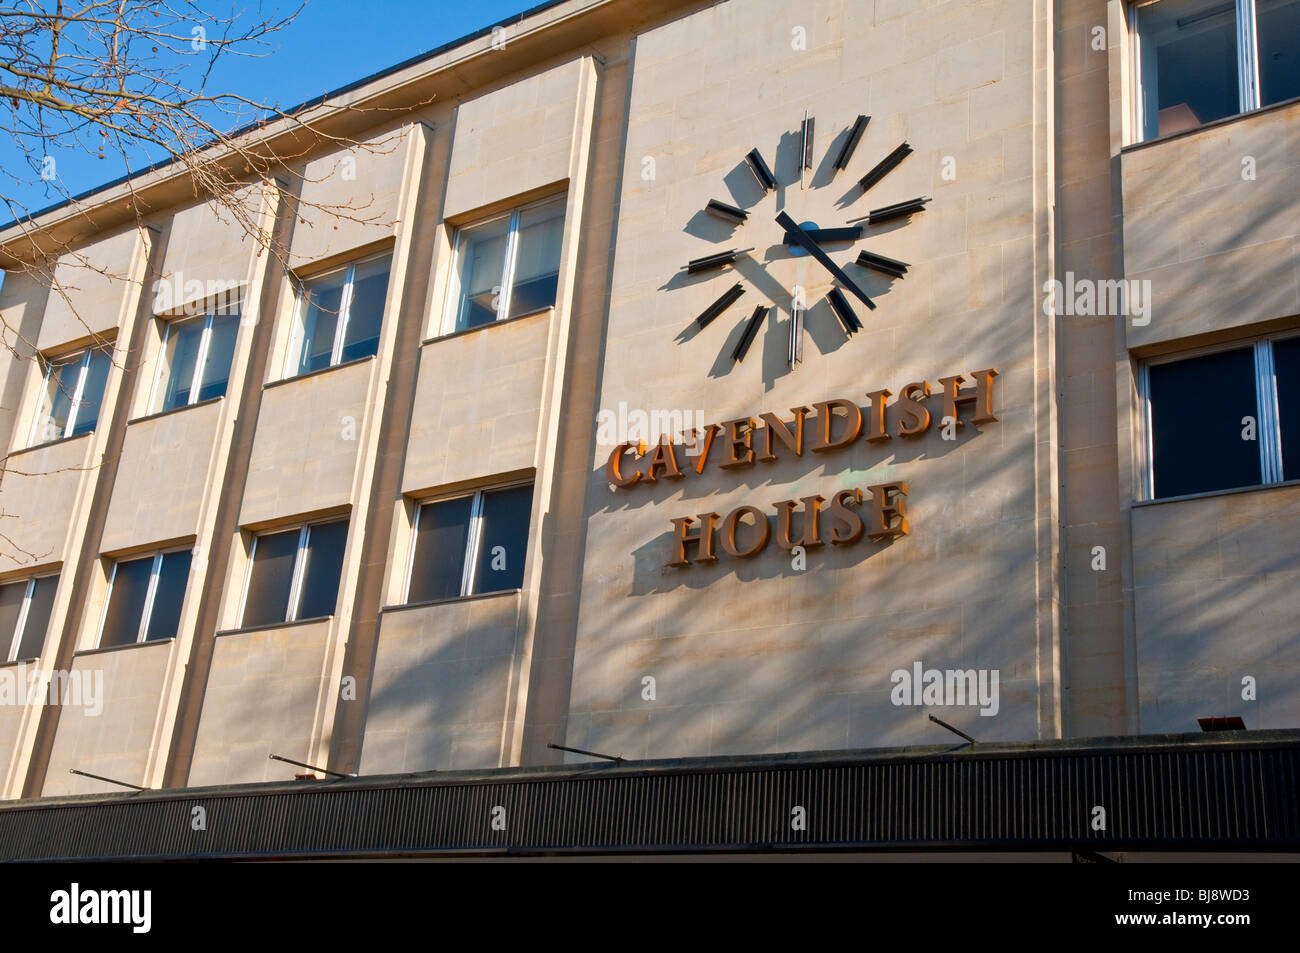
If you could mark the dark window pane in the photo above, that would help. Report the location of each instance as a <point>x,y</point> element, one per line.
<point>537,262</point>
<point>1278,22</point>
<point>1197,406</point>
<point>502,545</point>
<point>38,617</point>
<point>320,320</point>
<point>167,598</point>
<point>221,350</point>
<point>11,606</point>
<point>1189,64</point>
<point>272,575</point>
<point>183,339</point>
<point>320,578</point>
<point>366,312</point>
<point>482,265</point>
<point>92,393</point>
<point>126,602</point>
<point>440,541</point>
<point>1286,368</point>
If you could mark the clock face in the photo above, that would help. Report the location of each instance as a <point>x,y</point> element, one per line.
<point>769,220</point>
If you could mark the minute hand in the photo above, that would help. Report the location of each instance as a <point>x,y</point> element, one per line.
<point>811,246</point>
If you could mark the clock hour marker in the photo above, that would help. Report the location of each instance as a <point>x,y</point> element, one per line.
<point>714,261</point>
<point>728,213</point>
<point>885,166</point>
<point>719,306</point>
<point>801,239</point>
<point>882,264</point>
<point>795,356</point>
<point>876,216</point>
<point>844,311</point>
<point>851,143</point>
<point>760,170</point>
<point>806,150</point>
<point>751,329</point>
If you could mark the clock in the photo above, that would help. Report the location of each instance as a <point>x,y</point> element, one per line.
<point>806,239</point>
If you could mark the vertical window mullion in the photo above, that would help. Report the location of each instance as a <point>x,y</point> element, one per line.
<point>345,308</point>
<point>451,309</point>
<point>1148,481</point>
<point>108,599</point>
<point>293,354</point>
<point>508,276</point>
<point>1247,56</point>
<point>248,579</point>
<point>21,623</point>
<point>44,395</point>
<point>299,567</point>
<point>410,556</point>
<point>472,544</point>
<point>147,610</point>
<point>155,395</point>
<point>1137,116</point>
<point>1268,425</point>
<point>77,392</point>
<point>200,358</point>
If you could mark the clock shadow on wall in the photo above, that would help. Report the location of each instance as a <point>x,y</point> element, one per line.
<point>757,225</point>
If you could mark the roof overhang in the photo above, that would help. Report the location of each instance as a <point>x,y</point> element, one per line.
<point>455,69</point>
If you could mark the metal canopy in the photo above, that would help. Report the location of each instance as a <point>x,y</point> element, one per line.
<point>1224,792</point>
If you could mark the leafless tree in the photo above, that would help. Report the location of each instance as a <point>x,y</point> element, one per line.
<point>129,81</point>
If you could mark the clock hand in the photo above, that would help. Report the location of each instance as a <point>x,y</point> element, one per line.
<point>802,238</point>
<point>850,234</point>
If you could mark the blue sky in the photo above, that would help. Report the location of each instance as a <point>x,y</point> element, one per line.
<point>329,44</point>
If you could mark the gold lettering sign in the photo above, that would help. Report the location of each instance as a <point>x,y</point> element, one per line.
<point>879,512</point>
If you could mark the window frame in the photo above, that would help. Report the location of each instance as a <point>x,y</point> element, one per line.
<point>75,400</point>
<point>200,358</point>
<point>1246,31</point>
<point>473,541</point>
<point>293,357</point>
<point>11,653</point>
<point>146,611</point>
<point>299,571</point>
<point>451,309</point>
<point>1268,423</point>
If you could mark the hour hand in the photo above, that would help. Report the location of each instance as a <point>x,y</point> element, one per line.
<point>799,236</point>
<point>821,235</point>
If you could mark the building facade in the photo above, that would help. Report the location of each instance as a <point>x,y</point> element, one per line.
<point>685,380</point>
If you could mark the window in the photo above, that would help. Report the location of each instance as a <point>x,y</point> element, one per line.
<point>1223,419</point>
<point>340,314</point>
<point>144,599</point>
<point>71,394</point>
<point>1201,60</point>
<point>508,266</point>
<point>470,544</point>
<point>24,615</point>
<point>196,360</point>
<point>295,574</point>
